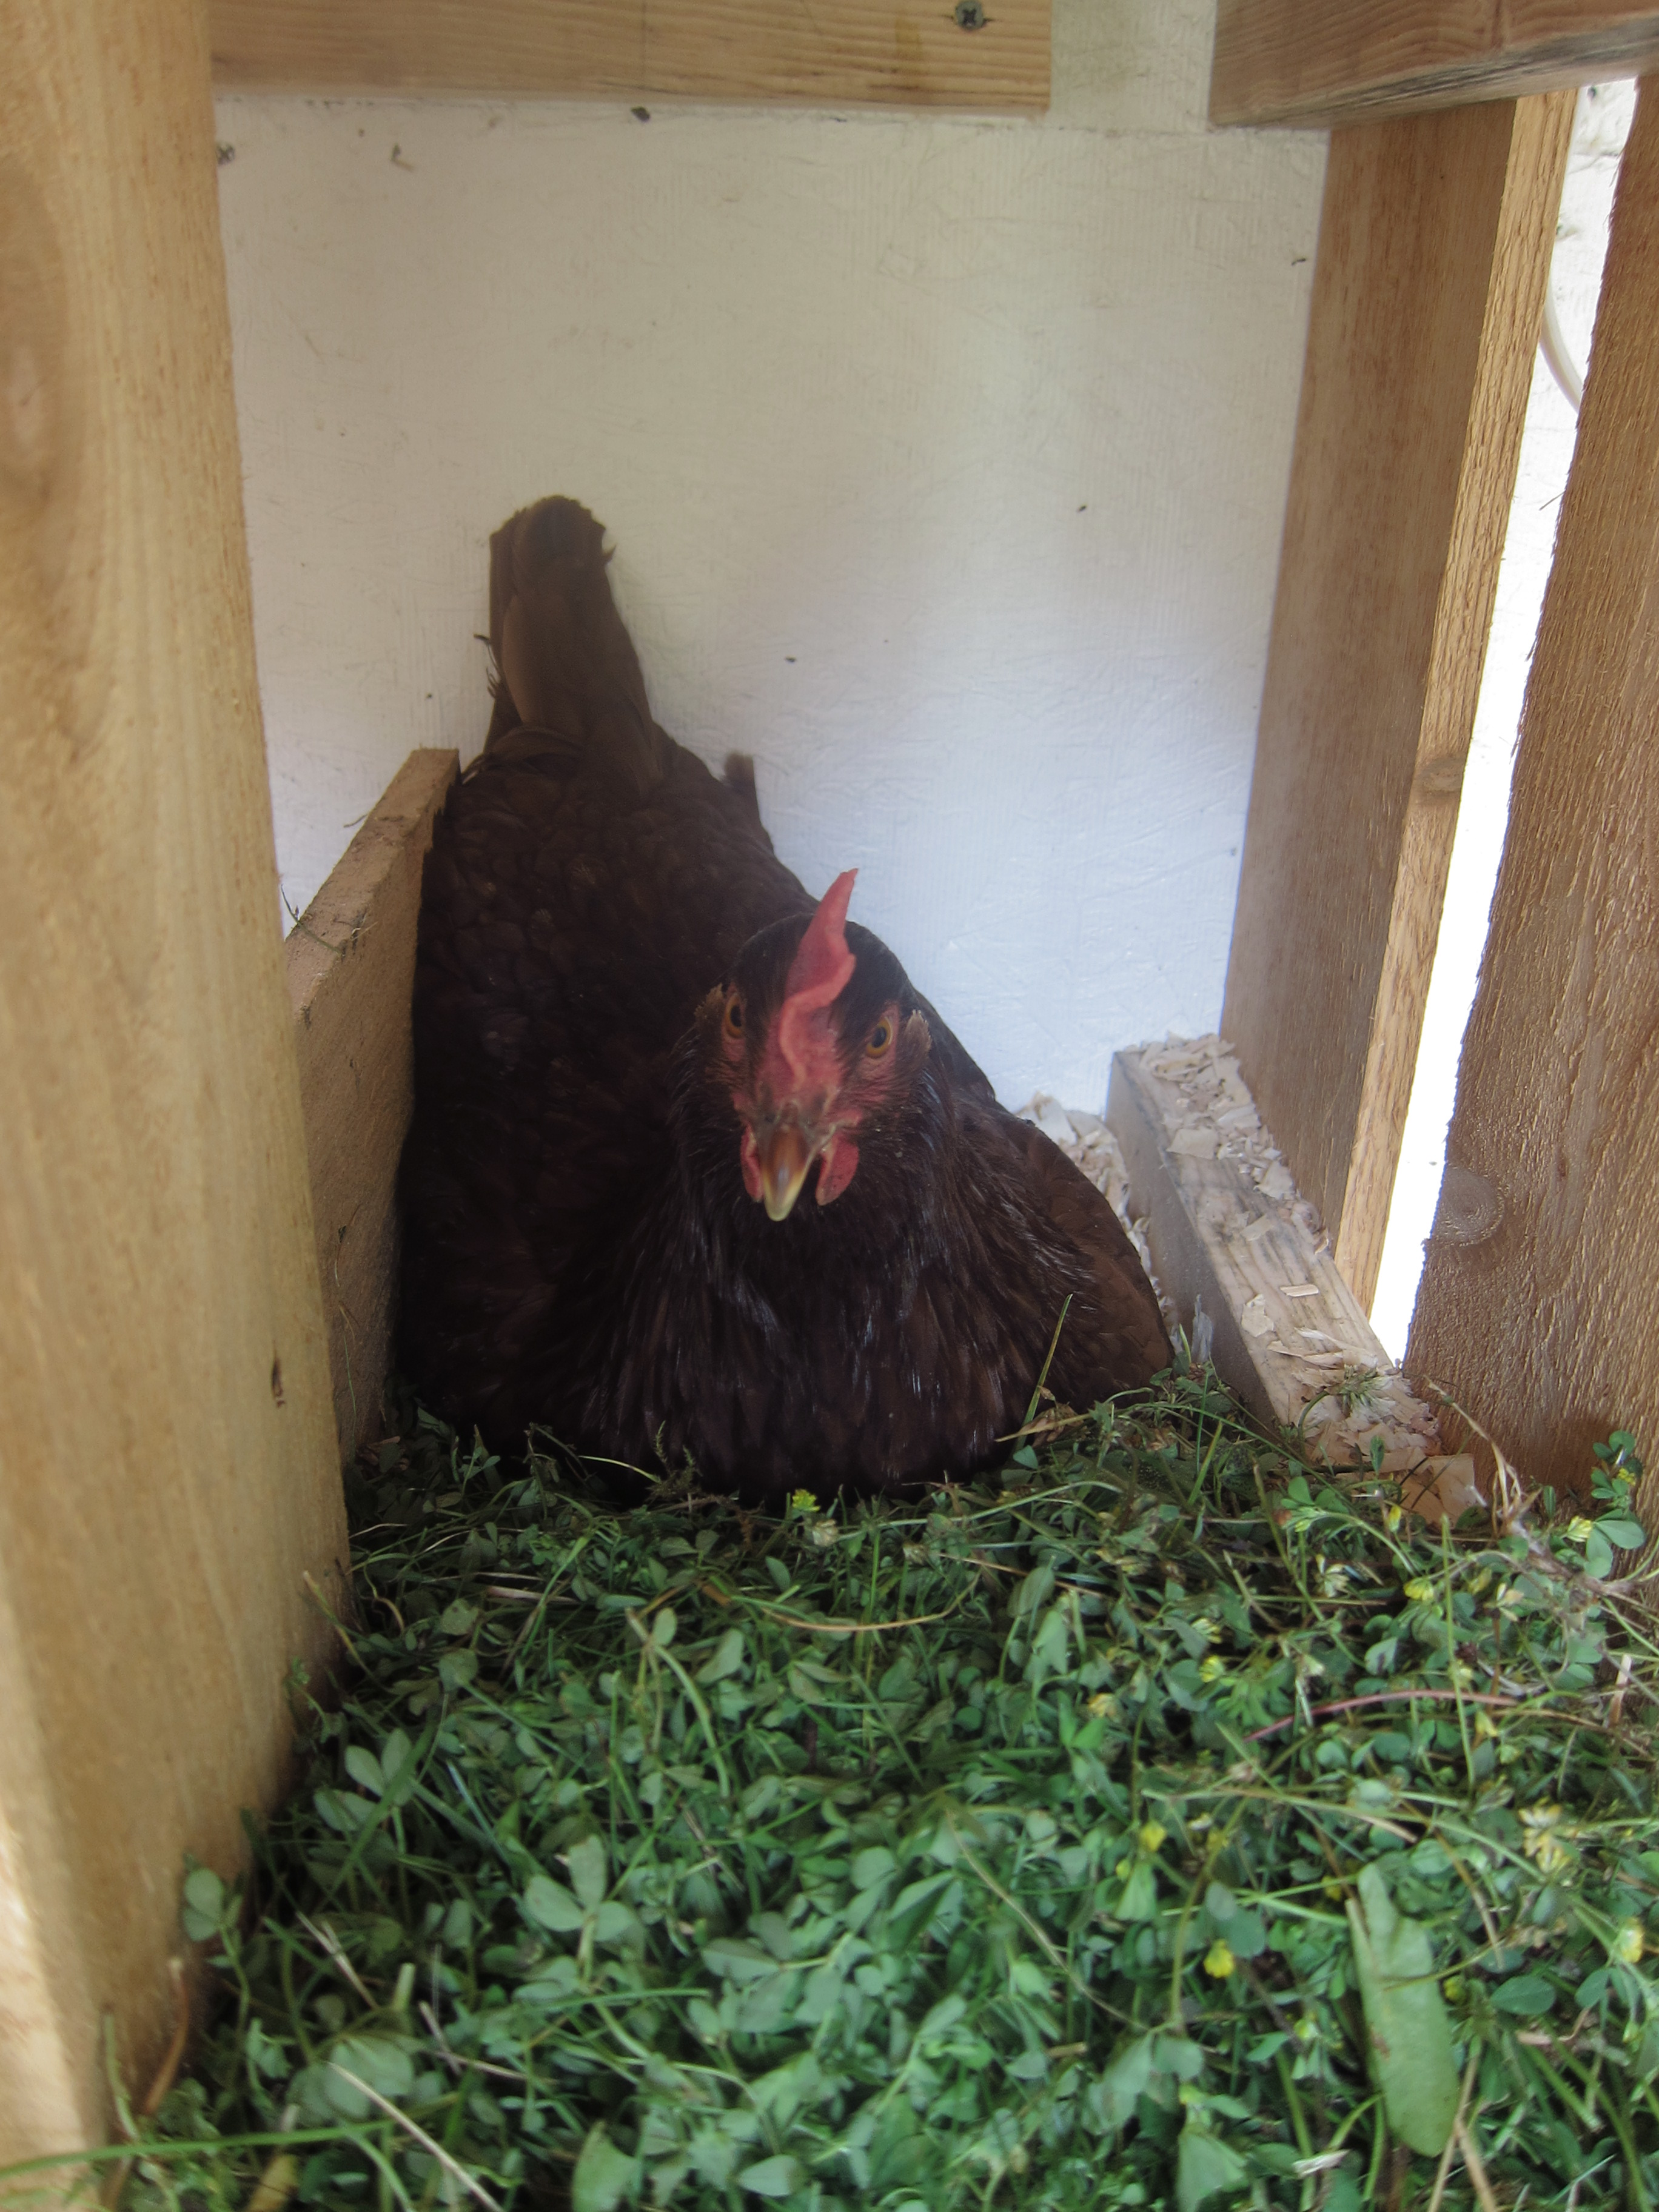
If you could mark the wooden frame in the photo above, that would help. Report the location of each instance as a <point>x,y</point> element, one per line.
<point>163,1356</point>
<point>910,53</point>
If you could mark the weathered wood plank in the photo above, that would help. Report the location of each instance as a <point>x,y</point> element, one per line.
<point>911,53</point>
<point>167,1467</point>
<point>1538,1306</point>
<point>350,962</point>
<point>1326,63</point>
<point>1284,1330</point>
<point>1433,253</point>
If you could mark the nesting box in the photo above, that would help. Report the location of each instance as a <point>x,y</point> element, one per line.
<point>196,1195</point>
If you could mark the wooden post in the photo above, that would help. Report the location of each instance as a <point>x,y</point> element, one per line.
<point>1538,1307</point>
<point>1433,253</point>
<point>167,1470</point>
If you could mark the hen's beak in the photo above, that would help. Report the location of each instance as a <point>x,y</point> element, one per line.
<point>784,1159</point>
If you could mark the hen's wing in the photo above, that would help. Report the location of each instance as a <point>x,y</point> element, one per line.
<point>1114,1336</point>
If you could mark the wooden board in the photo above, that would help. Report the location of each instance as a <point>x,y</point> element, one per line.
<point>1433,253</point>
<point>1283,1329</point>
<point>1538,1306</point>
<point>1326,62</point>
<point>985,55</point>
<point>350,962</point>
<point>167,1467</point>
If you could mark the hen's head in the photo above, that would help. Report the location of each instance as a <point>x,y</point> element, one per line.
<point>813,1036</point>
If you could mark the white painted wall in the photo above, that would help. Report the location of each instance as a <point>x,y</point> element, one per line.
<point>945,461</point>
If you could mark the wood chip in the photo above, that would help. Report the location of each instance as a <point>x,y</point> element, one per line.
<point>1300,1290</point>
<point>1194,1144</point>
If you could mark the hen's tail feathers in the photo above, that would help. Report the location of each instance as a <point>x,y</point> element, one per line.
<point>564,661</point>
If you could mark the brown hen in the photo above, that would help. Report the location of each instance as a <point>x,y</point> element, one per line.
<point>693,1168</point>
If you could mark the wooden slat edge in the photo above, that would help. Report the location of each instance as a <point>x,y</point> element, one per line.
<point>1322,63</point>
<point>350,963</point>
<point>909,53</point>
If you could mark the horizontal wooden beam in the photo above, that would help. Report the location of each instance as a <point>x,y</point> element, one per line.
<point>1539,1306</point>
<point>988,56</point>
<point>1322,62</point>
<point>350,980</point>
<point>1434,247</point>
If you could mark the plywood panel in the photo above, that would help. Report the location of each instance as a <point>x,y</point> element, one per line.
<point>1334,62</point>
<point>1433,253</point>
<point>915,53</point>
<point>167,1468</point>
<point>1538,1306</point>
<point>351,962</point>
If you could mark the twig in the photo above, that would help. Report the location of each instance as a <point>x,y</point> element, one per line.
<point>1453,2139</point>
<point>331,1943</point>
<point>162,2081</point>
<point>451,2166</point>
<point>1475,2168</point>
<point>1387,1698</point>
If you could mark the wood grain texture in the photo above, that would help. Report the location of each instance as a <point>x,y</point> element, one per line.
<point>909,53</point>
<point>1215,1240</point>
<point>1538,1306</point>
<point>1433,253</point>
<point>167,1469</point>
<point>1326,63</point>
<point>351,962</point>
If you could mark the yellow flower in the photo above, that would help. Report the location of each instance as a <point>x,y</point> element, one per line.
<point>803,1501</point>
<point>1420,1590</point>
<point>1542,1843</point>
<point>1151,1837</point>
<point>1452,1987</point>
<point>1212,1669</point>
<point>1628,1944</point>
<point>1392,1517</point>
<point>1219,1961</point>
<point>1578,1528</point>
<point>1101,1706</point>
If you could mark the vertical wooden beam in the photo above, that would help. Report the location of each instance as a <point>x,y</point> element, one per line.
<point>168,1471</point>
<point>1538,1306</point>
<point>1433,253</point>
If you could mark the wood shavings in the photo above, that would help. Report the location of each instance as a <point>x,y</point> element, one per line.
<point>1269,1253</point>
<point>1091,1146</point>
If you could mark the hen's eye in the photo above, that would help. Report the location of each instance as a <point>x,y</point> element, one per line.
<point>734,1017</point>
<point>881,1037</point>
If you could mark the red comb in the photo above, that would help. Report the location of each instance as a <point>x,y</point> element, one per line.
<point>817,976</point>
